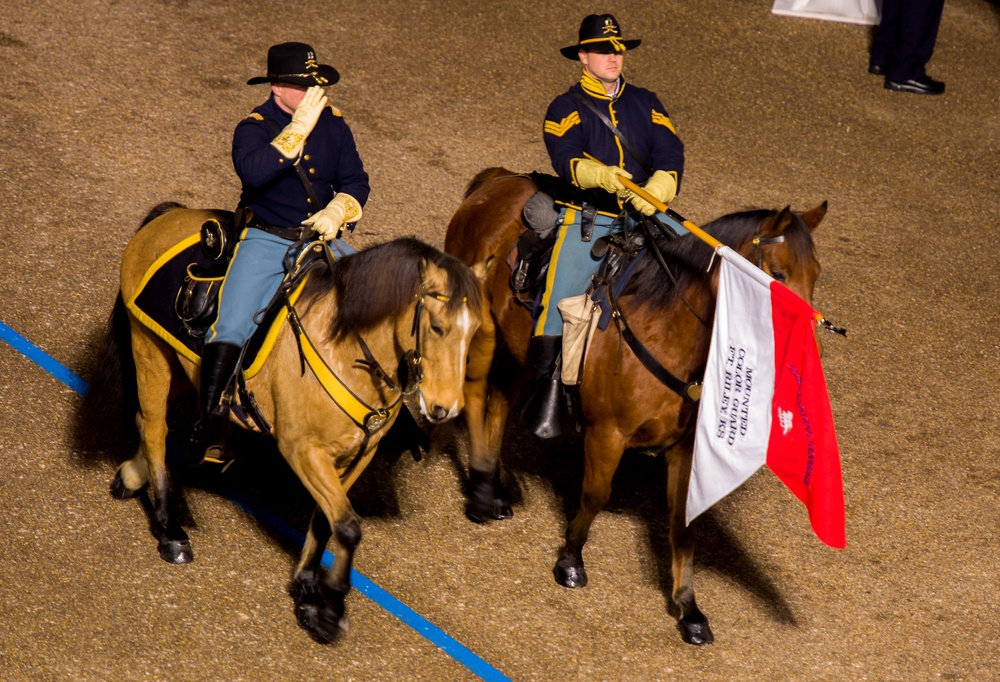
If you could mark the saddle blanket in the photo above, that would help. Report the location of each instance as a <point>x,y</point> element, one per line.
<point>154,302</point>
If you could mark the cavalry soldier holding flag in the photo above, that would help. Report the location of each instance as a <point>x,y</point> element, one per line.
<point>599,131</point>
<point>301,171</point>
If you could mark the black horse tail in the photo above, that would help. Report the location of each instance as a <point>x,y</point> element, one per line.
<point>158,210</point>
<point>106,419</point>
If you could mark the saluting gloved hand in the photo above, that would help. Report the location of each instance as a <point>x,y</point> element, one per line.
<point>293,137</point>
<point>662,185</point>
<point>596,174</point>
<point>329,222</point>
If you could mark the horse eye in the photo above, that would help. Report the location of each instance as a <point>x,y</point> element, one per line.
<point>778,275</point>
<point>437,330</point>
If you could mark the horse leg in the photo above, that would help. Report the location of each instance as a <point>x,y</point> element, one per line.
<point>317,609</point>
<point>154,379</point>
<point>130,478</point>
<point>603,448</point>
<point>692,623</point>
<point>319,595</point>
<point>486,409</point>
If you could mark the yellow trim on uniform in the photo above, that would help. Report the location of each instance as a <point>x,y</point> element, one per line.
<point>561,128</point>
<point>580,208</point>
<point>593,86</point>
<point>550,276</point>
<point>256,116</point>
<point>663,120</point>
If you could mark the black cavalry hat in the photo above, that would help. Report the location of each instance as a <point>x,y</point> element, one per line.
<point>295,63</point>
<point>599,33</point>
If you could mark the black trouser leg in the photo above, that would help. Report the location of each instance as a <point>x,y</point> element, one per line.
<point>219,363</point>
<point>542,415</point>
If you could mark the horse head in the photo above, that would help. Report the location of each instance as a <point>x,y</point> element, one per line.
<point>448,313</point>
<point>783,248</point>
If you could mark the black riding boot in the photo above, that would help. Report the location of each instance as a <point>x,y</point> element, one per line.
<point>218,368</point>
<point>542,415</point>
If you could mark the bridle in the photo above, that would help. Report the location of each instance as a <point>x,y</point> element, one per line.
<point>370,419</point>
<point>690,391</point>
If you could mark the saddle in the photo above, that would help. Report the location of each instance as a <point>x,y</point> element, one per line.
<point>529,258</point>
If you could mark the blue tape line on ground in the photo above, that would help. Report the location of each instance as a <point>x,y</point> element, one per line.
<point>408,616</point>
<point>380,596</point>
<point>40,358</point>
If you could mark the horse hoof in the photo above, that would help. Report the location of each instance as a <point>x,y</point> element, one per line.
<point>696,633</point>
<point>119,490</point>
<point>176,551</point>
<point>319,620</point>
<point>502,510</point>
<point>570,574</point>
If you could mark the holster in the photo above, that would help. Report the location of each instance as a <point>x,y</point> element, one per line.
<point>218,238</point>
<point>588,213</point>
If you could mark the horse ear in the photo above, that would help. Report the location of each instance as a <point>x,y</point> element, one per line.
<point>776,224</point>
<point>483,267</point>
<point>813,216</point>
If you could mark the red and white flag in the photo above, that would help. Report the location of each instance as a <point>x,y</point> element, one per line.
<point>764,401</point>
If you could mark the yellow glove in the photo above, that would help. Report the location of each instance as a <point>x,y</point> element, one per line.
<point>596,174</point>
<point>293,137</point>
<point>329,222</point>
<point>662,186</point>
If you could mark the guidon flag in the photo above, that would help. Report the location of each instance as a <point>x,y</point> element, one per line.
<point>765,401</point>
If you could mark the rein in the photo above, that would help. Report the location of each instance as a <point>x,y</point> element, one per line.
<point>689,390</point>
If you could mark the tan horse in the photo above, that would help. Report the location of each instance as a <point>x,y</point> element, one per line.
<point>623,405</point>
<point>398,297</point>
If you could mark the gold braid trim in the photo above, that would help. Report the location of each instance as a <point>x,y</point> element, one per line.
<point>352,209</point>
<point>287,142</point>
<point>616,43</point>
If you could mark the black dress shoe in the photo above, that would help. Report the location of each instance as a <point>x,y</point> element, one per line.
<point>876,69</point>
<point>924,85</point>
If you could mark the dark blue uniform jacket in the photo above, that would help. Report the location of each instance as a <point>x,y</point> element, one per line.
<point>272,188</point>
<point>573,132</point>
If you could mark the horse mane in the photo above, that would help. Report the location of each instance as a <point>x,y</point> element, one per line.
<point>383,281</point>
<point>689,257</point>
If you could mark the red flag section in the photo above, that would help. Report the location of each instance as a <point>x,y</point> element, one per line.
<point>802,450</point>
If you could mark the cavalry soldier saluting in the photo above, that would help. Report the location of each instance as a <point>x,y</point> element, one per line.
<point>603,128</point>
<point>300,170</point>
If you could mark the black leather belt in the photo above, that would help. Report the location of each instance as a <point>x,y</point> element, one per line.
<point>292,234</point>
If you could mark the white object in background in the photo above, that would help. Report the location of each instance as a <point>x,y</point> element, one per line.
<point>850,11</point>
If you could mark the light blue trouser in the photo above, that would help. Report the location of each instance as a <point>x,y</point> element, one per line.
<point>253,277</point>
<point>571,266</point>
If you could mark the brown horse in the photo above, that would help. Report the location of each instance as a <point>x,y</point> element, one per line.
<point>400,297</point>
<point>622,405</point>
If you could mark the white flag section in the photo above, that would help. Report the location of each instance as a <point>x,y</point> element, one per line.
<point>734,418</point>
<point>764,400</point>
<point>848,11</point>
